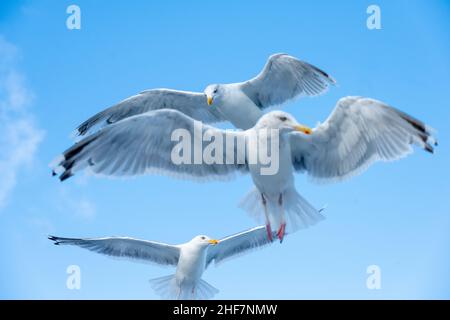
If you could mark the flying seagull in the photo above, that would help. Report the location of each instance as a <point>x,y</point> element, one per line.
<point>282,78</point>
<point>190,259</point>
<point>359,132</point>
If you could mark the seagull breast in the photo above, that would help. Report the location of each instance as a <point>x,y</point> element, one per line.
<point>191,264</point>
<point>238,108</point>
<point>280,176</point>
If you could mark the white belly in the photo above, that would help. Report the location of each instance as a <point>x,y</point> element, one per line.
<point>190,266</point>
<point>244,120</point>
<point>274,184</point>
<point>240,110</point>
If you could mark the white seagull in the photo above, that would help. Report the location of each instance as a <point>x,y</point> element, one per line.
<point>282,78</point>
<point>359,132</point>
<point>190,259</point>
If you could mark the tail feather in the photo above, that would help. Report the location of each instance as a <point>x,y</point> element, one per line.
<point>205,291</point>
<point>167,288</point>
<point>299,213</point>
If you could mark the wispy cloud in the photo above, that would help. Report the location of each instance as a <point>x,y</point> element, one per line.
<point>19,134</point>
<point>69,202</point>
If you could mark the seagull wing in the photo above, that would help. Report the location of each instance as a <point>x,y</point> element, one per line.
<point>192,104</point>
<point>359,132</point>
<point>238,244</point>
<point>284,78</point>
<point>155,142</point>
<point>123,247</point>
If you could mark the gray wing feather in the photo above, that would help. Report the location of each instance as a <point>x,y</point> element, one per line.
<point>283,78</point>
<point>123,247</point>
<point>238,244</point>
<point>192,104</point>
<point>359,132</point>
<point>143,144</point>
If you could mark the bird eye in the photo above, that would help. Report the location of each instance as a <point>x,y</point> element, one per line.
<point>203,238</point>
<point>215,90</point>
<point>282,118</point>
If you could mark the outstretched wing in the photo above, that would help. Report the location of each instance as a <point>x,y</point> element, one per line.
<point>192,104</point>
<point>359,132</point>
<point>162,141</point>
<point>283,78</point>
<point>238,244</point>
<point>123,247</point>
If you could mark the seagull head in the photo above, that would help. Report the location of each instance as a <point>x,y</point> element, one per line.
<point>281,121</point>
<point>213,93</point>
<point>204,241</point>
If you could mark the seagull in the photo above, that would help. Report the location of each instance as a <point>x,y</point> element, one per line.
<point>283,78</point>
<point>358,132</point>
<point>191,259</point>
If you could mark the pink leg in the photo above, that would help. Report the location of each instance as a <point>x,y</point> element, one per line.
<point>282,229</point>
<point>269,232</point>
<point>266,213</point>
<point>281,232</point>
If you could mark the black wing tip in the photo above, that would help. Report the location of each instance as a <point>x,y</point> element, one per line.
<point>324,74</point>
<point>69,156</point>
<point>82,129</point>
<point>428,145</point>
<point>54,239</point>
<point>417,124</point>
<point>332,80</point>
<point>423,132</point>
<point>65,175</point>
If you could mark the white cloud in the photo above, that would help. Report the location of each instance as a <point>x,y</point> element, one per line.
<point>85,209</point>
<point>19,134</point>
<point>79,206</point>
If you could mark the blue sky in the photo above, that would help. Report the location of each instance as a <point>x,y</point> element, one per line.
<point>395,215</point>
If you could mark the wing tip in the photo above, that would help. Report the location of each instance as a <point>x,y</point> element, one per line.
<point>424,132</point>
<point>429,148</point>
<point>65,175</point>
<point>57,166</point>
<point>332,80</point>
<point>64,163</point>
<point>78,132</point>
<point>324,74</point>
<point>54,239</point>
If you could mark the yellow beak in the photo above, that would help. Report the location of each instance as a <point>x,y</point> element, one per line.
<point>213,242</point>
<point>302,128</point>
<point>209,100</point>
